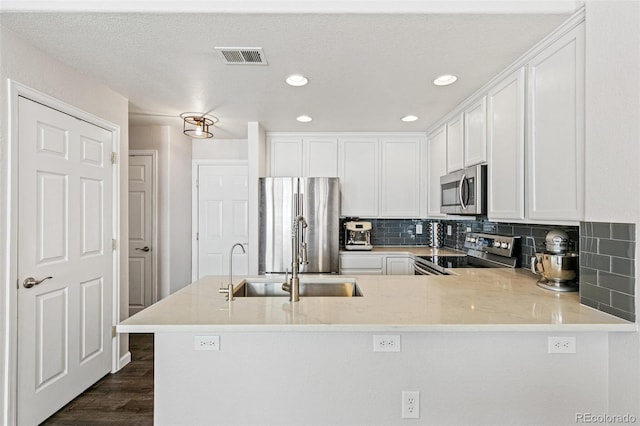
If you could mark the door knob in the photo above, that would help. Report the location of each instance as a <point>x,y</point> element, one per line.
<point>145,249</point>
<point>30,281</point>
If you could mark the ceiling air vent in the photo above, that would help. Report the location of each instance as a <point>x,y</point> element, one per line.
<point>242,55</point>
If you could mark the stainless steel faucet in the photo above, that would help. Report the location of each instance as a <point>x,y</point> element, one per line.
<point>298,257</point>
<point>229,289</point>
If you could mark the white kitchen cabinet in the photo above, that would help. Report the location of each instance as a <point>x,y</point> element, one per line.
<point>400,177</point>
<point>359,176</point>
<point>436,167</point>
<point>506,145</point>
<point>555,130</point>
<point>320,156</point>
<point>362,264</point>
<point>285,156</point>
<point>399,265</point>
<point>368,263</point>
<point>455,143</point>
<point>475,133</point>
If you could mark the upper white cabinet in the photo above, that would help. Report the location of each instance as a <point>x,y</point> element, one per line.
<point>320,156</point>
<point>505,122</point>
<point>285,156</point>
<point>436,167</point>
<point>400,177</point>
<point>555,130</point>
<point>455,143</point>
<point>359,176</point>
<point>475,133</point>
<point>313,156</point>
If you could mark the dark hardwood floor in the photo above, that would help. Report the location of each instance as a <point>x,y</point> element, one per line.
<point>124,398</point>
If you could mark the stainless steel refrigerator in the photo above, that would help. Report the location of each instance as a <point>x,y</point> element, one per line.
<point>284,198</point>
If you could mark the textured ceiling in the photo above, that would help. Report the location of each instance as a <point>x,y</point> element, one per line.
<point>365,70</point>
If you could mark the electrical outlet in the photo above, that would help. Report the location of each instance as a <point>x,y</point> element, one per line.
<point>561,345</point>
<point>386,343</point>
<point>410,404</point>
<point>419,229</point>
<point>206,343</point>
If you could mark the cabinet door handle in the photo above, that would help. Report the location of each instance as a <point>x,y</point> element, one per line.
<point>30,281</point>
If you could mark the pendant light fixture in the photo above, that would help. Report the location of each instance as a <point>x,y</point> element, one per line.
<point>196,124</point>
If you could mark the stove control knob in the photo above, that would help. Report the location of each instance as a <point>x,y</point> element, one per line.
<point>504,245</point>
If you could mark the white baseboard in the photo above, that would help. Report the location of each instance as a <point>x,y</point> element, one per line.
<point>124,360</point>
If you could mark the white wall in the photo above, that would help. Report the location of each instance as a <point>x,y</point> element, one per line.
<point>174,201</point>
<point>220,149</point>
<point>31,67</point>
<point>323,378</point>
<point>612,112</point>
<point>612,151</point>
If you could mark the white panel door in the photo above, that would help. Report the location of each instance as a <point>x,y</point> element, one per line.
<point>64,237</point>
<point>506,148</point>
<point>400,177</point>
<point>555,130</point>
<point>222,218</point>
<point>141,225</point>
<point>437,162</point>
<point>359,177</point>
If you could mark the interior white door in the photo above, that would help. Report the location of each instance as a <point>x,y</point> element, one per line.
<point>141,225</point>
<point>222,218</point>
<point>64,244</point>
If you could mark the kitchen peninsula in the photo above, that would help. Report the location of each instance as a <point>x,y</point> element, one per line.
<point>474,344</point>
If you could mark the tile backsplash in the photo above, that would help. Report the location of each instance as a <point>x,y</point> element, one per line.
<point>607,253</point>
<point>607,267</point>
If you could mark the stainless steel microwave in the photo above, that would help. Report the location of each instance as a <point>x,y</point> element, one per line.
<point>464,191</point>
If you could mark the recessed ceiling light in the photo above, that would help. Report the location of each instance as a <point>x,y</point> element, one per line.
<point>304,118</point>
<point>409,118</point>
<point>297,80</point>
<point>444,80</point>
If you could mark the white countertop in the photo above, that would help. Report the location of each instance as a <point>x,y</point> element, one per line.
<point>413,250</point>
<point>473,300</point>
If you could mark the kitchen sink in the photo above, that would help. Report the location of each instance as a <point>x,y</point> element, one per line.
<point>312,287</point>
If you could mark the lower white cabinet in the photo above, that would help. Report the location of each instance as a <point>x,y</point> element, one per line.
<point>367,263</point>
<point>399,265</point>
<point>362,264</point>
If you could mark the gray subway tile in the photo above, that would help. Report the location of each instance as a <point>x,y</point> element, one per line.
<point>617,282</point>
<point>586,229</point>
<point>589,302</point>
<point>588,244</point>
<point>623,266</point>
<point>595,293</point>
<point>595,261</point>
<point>629,316</point>
<point>588,275</point>
<point>623,231</point>
<point>623,302</point>
<point>601,229</point>
<point>617,248</point>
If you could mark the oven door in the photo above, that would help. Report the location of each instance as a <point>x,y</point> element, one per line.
<point>421,268</point>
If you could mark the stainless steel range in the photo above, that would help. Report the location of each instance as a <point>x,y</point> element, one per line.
<point>482,251</point>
